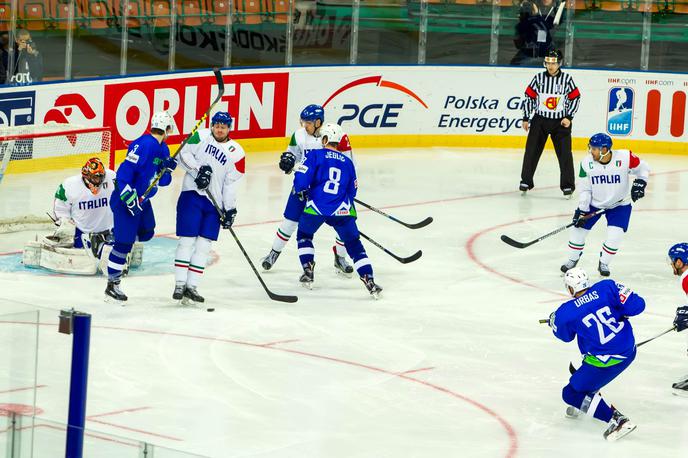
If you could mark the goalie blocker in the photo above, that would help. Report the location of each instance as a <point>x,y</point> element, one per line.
<point>53,254</point>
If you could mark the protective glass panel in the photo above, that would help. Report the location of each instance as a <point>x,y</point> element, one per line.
<point>458,31</point>
<point>322,33</point>
<point>607,34</point>
<point>97,37</point>
<point>668,38</point>
<point>38,51</point>
<point>386,33</point>
<point>259,32</point>
<point>528,29</point>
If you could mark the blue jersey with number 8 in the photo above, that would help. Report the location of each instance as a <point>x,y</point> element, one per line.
<point>598,318</point>
<point>330,178</point>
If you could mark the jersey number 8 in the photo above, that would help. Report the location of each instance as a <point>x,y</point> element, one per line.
<point>603,319</point>
<point>332,185</point>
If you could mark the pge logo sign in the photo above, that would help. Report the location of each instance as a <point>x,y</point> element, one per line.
<point>620,110</point>
<point>17,108</point>
<point>375,114</point>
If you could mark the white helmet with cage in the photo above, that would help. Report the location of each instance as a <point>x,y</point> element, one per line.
<point>576,280</point>
<point>332,131</point>
<point>161,120</point>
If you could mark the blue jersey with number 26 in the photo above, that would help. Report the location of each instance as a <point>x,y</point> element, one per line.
<point>598,318</point>
<point>330,178</point>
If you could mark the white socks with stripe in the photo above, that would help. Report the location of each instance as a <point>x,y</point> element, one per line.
<point>611,244</point>
<point>190,260</point>
<point>284,232</point>
<point>577,242</point>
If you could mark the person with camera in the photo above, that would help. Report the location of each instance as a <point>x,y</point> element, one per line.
<point>28,63</point>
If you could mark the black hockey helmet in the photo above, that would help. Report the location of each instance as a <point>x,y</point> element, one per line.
<point>554,56</point>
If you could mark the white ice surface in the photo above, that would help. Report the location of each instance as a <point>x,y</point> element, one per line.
<point>450,363</point>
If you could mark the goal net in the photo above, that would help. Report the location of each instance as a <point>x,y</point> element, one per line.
<point>34,160</point>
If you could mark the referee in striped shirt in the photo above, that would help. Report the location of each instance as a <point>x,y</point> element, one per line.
<point>550,104</point>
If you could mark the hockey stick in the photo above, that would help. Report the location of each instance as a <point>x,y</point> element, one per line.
<point>423,223</point>
<point>273,296</point>
<point>413,257</point>
<point>509,241</point>
<point>220,93</point>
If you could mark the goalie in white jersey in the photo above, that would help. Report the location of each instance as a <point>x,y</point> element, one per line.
<point>302,141</point>
<point>606,179</point>
<point>214,164</point>
<point>84,219</point>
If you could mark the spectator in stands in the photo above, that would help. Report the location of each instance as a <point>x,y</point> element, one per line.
<point>28,64</point>
<point>4,55</point>
<point>533,37</point>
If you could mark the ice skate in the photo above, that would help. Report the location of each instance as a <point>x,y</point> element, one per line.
<point>568,193</point>
<point>114,293</point>
<point>268,261</point>
<point>308,275</point>
<point>619,426</point>
<point>524,189</point>
<point>178,293</point>
<point>568,265</point>
<point>680,388</point>
<point>191,296</point>
<point>603,269</point>
<point>341,265</point>
<point>370,285</point>
<point>572,412</point>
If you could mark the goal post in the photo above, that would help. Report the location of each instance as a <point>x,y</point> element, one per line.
<point>34,159</point>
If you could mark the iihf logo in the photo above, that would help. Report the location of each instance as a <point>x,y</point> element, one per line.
<point>620,110</point>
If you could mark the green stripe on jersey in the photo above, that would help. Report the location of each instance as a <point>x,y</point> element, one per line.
<point>593,361</point>
<point>195,139</point>
<point>582,173</point>
<point>61,194</point>
<point>292,141</point>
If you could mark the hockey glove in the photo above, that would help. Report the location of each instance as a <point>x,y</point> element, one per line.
<point>287,162</point>
<point>130,198</point>
<point>228,218</point>
<point>638,189</point>
<point>681,320</point>
<point>202,179</point>
<point>552,317</point>
<point>168,164</point>
<point>579,218</point>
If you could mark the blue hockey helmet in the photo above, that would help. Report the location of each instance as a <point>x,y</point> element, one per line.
<point>600,141</point>
<point>679,251</point>
<point>222,117</point>
<point>313,112</point>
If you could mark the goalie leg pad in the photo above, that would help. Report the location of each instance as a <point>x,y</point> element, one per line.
<point>31,256</point>
<point>136,258</point>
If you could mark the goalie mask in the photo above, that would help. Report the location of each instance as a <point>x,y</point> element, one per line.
<point>93,173</point>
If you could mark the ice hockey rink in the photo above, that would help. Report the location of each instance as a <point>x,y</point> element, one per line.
<point>451,362</point>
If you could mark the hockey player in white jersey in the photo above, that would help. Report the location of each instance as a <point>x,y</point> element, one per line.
<point>84,220</point>
<point>214,164</point>
<point>678,259</point>
<point>605,180</point>
<point>302,141</point>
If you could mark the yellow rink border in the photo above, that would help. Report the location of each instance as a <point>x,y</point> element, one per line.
<point>279,144</point>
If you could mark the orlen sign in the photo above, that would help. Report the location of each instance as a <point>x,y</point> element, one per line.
<point>374,114</point>
<point>257,102</point>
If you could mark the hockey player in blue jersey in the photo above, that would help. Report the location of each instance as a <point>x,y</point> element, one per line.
<point>326,182</point>
<point>598,316</point>
<point>133,216</point>
<point>302,141</point>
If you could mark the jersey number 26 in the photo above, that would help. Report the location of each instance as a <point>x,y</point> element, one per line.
<point>604,320</point>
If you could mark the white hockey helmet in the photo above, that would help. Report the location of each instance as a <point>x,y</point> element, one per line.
<point>332,131</point>
<point>576,279</point>
<point>161,120</point>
